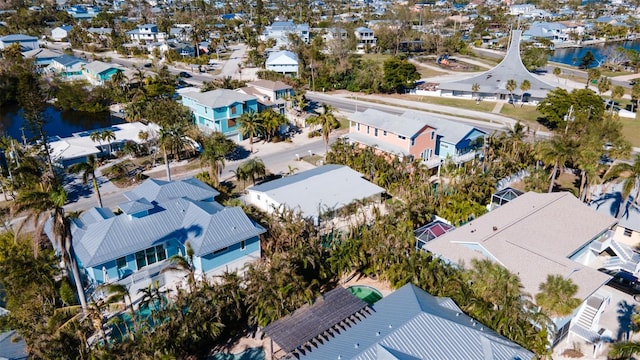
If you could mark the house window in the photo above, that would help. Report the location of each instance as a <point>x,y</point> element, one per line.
<point>384,133</point>
<point>401,137</point>
<point>375,133</point>
<point>358,126</point>
<point>433,135</point>
<point>413,142</point>
<point>150,256</point>
<point>121,262</point>
<point>258,196</point>
<point>220,250</point>
<point>628,232</point>
<point>231,123</point>
<point>243,245</point>
<point>367,129</point>
<point>233,110</point>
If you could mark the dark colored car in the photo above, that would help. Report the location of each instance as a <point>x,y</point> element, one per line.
<point>623,281</point>
<point>147,65</point>
<point>184,74</point>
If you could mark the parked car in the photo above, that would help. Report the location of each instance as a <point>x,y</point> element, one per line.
<point>623,281</point>
<point>184,74</point>
<point>147,65</point>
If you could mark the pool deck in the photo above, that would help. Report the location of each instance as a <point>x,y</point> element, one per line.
<point>382,286</point>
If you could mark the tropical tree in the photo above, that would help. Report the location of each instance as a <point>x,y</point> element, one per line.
<point>184,263</point>
<point>557,71</point>
<point>215,149</point>
<point>592,74</point>
<point>271,123</point>
<point>635,94</point>
<point>511,86</point>
<point>172,140</point>
<point>629,175</point>
<point>96,136</point>
<point>108,136</point>
<point>557,151</point>
<point>475,88</point>
<point>252,169</point>
<point>624,350</point>
<point>525,86</point>
<point>604,84</point>
<point>250,126</point>
<point>88,171</point>
<point>556,296</point>
<point>117,293</point>
<point>327,122</point>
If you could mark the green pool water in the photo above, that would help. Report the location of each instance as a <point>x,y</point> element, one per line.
<point>366,293</point>
<point>249,354</point>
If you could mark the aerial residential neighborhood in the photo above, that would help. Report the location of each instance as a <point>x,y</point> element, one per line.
<point>321,180</point>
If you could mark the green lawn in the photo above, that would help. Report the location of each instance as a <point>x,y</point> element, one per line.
<point>426,72</point>
<point>631,130</point>
<point>527,114</point>
<point>378,58</point>
<point>453,102</point>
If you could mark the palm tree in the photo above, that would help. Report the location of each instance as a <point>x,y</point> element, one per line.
<point>556,151</point>
<point>252,168</point>
<point>118,292</point>
<point>172,139</point>
<point>37,203</point>
<point>108,136</point>
<point>629,175</point>
<point>88,170</point>
<point>511,86</point>
<point>271,122</point>
<point>556,296</point>
<point>327,122</point>
<point>216,147</point>
<point>96,136</point>
<point>624,350</point>
<point>250,126</point>
<point>557,71</point>
<point>475,88</point>
<point>525,86</point>
<point>184,264</point>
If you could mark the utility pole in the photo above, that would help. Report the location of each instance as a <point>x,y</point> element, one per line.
<point>569,118</point>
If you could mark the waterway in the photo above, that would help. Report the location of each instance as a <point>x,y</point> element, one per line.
<point>572,56</point>
<point>58,123</point>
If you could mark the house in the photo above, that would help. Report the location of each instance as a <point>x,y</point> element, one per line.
<point>393,134</point>
<point>61,32</point>
<point>406,324</point>
<point>41,56</point>
<point>535,235</point>
<point>97,72</point>
<point>334,33</point>
<point>219,110</point>
<point>12,346</point>
<point>553,31</point>
<point>146,33</point>
<point>81,12</point>
<point>315,193</point>
<point>627,231</point>
<point>280,31</point>
<point>26,42</point>
<point>67,67</point>
<point>156,222</point>
<point>76,148</point>
<point>365,39</point>
<point>270,94</point>
<point>283,62</point>
<point>454,140</point>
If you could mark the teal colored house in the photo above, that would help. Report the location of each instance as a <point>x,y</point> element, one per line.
<point>97,72</point>
<point>219,110</point>
<point>158,220</point>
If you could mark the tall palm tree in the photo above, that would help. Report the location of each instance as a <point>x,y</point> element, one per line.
<point>172,139</point>
<point>37,203</point>
<point>96,136</point>
<point>250,126</point>
<point>525,86</point>
<point>118,292</point>
<point>624,350</point>
<point>629,175</point>
<point>252,168</point>
<point>475,88</point>
<point>88,170</point>
<point>556,296</point>
<point>556,151</point>
<point>215,149</point>
<point>511,86</point>
<point>108,136</point>
<point>327,122</point>
<point>184,263</point>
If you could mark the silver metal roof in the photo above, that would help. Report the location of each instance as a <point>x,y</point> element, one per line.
<point>12,346</point>
<point>451,131</point>
<point>412,324</point>
<point>159,190</point>
<point>399,125</point>
<point>217,98</point>
<point>315,191</point>
<point>495,80</point>
<point>135,206</point>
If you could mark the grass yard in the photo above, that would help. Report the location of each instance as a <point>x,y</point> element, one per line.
<point>377,58</point>
<point>631,130</point>
<point>527,114</point>
<point>426,72</point>
<point>484,106</point>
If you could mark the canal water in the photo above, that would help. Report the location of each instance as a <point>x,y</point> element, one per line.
<point>58,123</point>
<point>572,56</point>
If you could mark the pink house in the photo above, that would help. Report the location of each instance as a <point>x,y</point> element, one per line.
<point>392,134</point>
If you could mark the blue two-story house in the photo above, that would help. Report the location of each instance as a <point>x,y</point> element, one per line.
<point>158,220</point>
<point>219,110</point>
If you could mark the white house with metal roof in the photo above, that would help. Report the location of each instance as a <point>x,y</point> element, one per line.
<point>315,193</point>
<point>536,235</point>
<point>67,67</point>
<point>61,32</point>
<point>409,324</point>
<point>156,222</point>
<point>283,62</point>
<point>280,31</point>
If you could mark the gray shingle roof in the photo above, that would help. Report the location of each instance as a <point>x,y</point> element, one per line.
<point>159,190</point>
<point>495,80</point>
<point>317,190</point>
<point>218,98</point>
<point>452,131</point>
<point>400,125</point>
<point>412,324</point>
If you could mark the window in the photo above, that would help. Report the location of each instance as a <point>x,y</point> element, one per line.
<point>220,250</point>
<point>233,110</point>
<point>243,245</point>
<point>231,123</point>
<point>433,135</point>
<point>258,197</point>
<point>367,129</point>
<point>628,232</point>
<point>150,256</point>
<point>413,142</point>
<point>384,133</point>
<point>121,262</point>
<point>401,137</point>
<point>375,133</point>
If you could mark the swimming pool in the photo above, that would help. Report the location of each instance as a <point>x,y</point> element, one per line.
<point>369,294</point>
